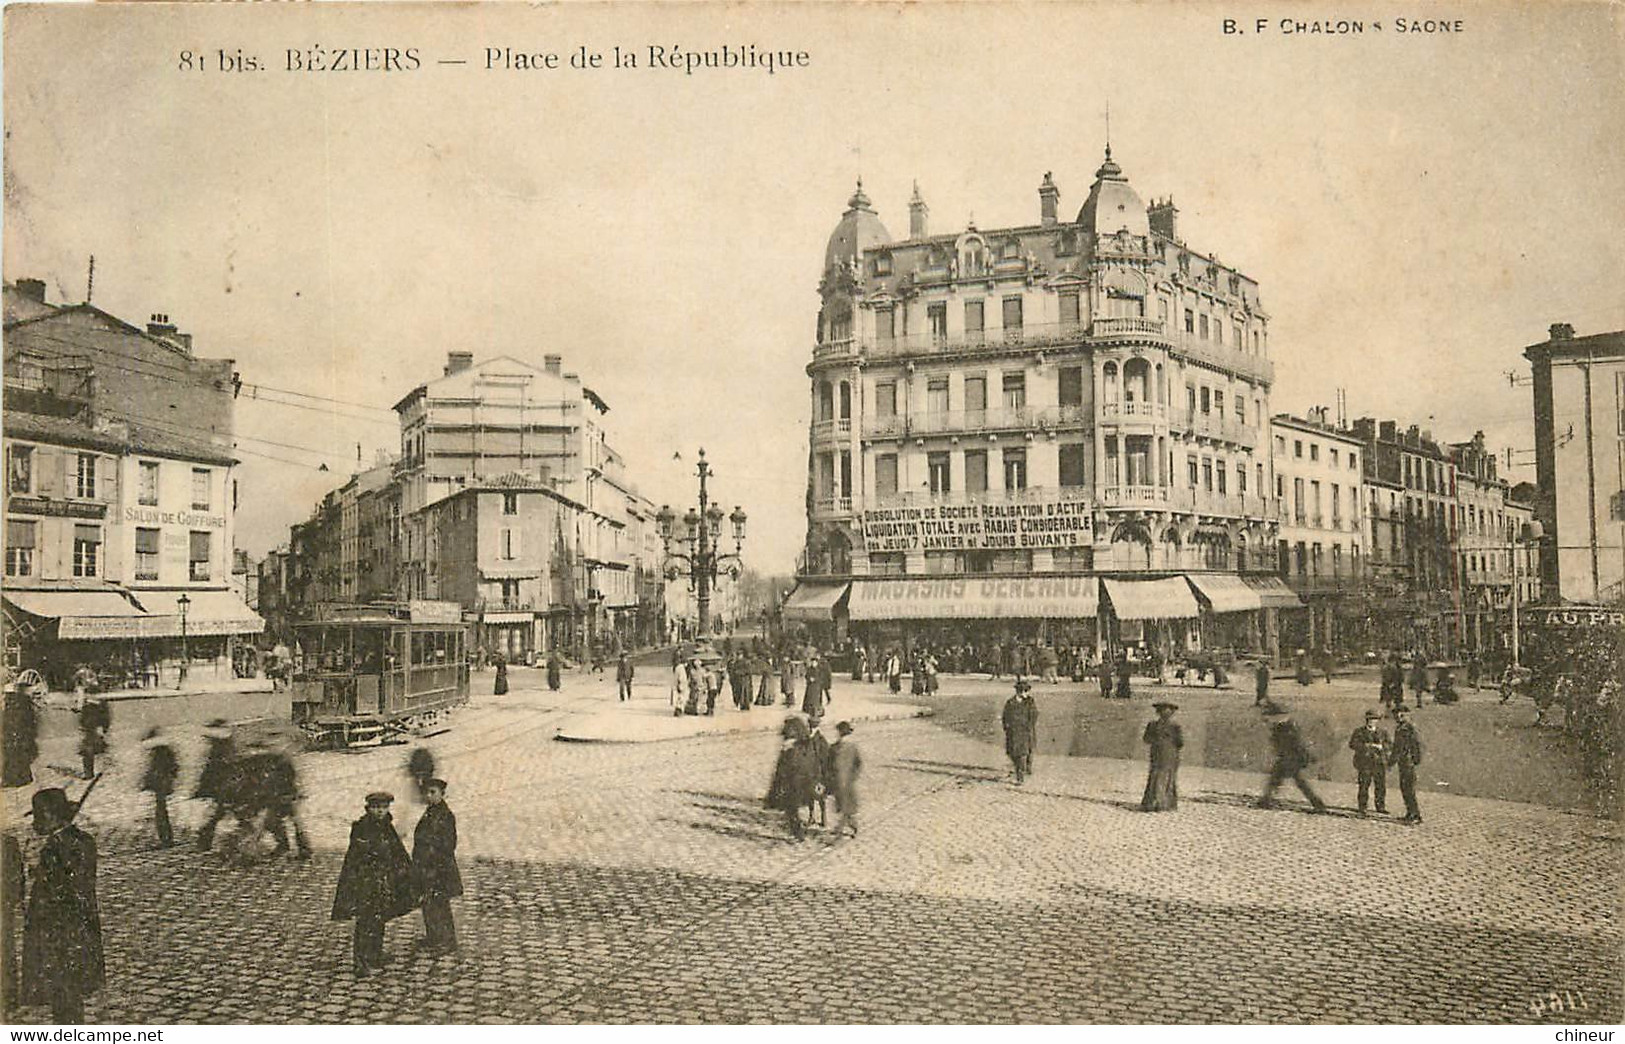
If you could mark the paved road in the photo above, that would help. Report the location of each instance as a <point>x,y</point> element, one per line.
<point>645,883</point>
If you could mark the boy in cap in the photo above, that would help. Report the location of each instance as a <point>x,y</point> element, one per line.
<point>1406,755</point>
<point>1371,745</point>
<point>375,883</point>
<point>62,927</point>
<point>434,864</point>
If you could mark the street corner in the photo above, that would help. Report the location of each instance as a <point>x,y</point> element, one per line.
<point>650,721</point>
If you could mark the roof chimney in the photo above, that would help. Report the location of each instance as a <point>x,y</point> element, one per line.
<point>1049,200</point>
<point>160,326</point>
<point>1388,431</point>
<point>457,362</point>
<point>1163,217</point>
<point>1558,331</point>
<point>33,289</point>
<point>553,364</point>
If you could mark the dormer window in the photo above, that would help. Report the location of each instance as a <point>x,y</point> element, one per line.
<point>882,264</point>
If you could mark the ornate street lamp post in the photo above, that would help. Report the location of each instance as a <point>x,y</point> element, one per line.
<point>182,603</point>
<point>702,537</point>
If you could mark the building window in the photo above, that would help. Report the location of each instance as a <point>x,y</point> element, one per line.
<point>147,483</point>
<point>1219,476</point>
<point>886,474</point>
<point>1301,553</point>
<point>85,480</point>
<point>200,489</point>
<point>1314,501</point>
<point>510,593</point>
<point>1218,403</point>
<point>1241,478</point>
<point>20,471</point>
<point>510,503</point>
<point>1190,321</point>
<point>1316,565</point>
<point>1190,401</point>
<point>1207,399</point>
<point>975,394</point>
<point>1297,448</point>
<point>20,542</point>
<point>936,395</point>
<point>936,317</point>
<point>975,319</point>
<point>976,471</point>
<point>937,472</point>
<point>1238,340</point>
<point>885,326</point>
<point>1015,391</point>
<point>886,563</point>
<point>1012,313</point>
<point>1015,469</point>
<point>1241,410</point>
<point>198,555</point>
<point>1314,451</point>
<point>1192,467</point>
<point>1354,462</point>
<point>1073,559</point>
<point>882,264</point>
<point>1012,562</point>
<point>1070,389</point>
<point>146,554</point>
<point>886,399</point>
<point>1298,515</point>
<point>1337,506</point>
<point>87,550</point>
<point>508,548</point>
<point>1069,308</point>
<point>1218,329</point>
<point>1072,458</point>
<point>1207,474</point>
<point>1333,452</point>
<point>940,563</point>
<point>1202,325</point>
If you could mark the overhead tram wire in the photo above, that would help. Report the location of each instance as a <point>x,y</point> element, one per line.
<point>178,431</point>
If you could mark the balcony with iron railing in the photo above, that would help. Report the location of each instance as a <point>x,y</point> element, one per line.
<point>1113,412</point>
<point>1232,360</point>
<point>833,428</point>
<point>961,498</point>
<point>948,422</point>
<point>1025,337</point>
<point>1214,426</point>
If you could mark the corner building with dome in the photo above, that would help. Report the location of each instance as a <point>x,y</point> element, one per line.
<point>1055,433</point>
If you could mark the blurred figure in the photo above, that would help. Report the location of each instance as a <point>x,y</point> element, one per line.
<point>555,673</point>
<point>159,780</point>
<point>95,720</point>
<point>1393,681</point>
<point>214,783</point>
<point>794,775</point>
<point>1292,757</point>
<point>500,686</point>
<point>420,766</point>
<point>21,730</point>
<point>845,765</point>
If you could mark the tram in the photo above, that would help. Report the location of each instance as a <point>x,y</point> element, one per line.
<point>370,673</point>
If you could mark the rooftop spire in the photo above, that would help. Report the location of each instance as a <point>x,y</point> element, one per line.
<point>859,200</point>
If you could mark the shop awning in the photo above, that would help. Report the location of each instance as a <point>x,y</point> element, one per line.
<point>77,609</point>
<point>1225,592</point>
<point>1273,593</point>
<point>1166,599</point>
<point>983,598</point>
<point>509,616</point>
<point>207,613</point>
<point>813,602</point>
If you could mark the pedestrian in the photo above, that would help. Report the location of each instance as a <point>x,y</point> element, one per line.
<point>787,679</point>
<point>1302,672</point>
<point>818,685</point>
<point>1371,747</point>
<point>894,672</point>
<point>420,766</point>
<point>823,778</point>
<point>1393,681</point>
<point>434,869</point>
<point>1125,688</point>
<point>1406,755</point>
<point>214,782</point>
<point>845,765</point>
<point>1419,677</point>
<point>712,678</point>
<point>555,672</point>
<point>1292,757</point>
<point>62,925</point>
<point>13,896</point>
<point>1261,682</point>
<point>21,729</point>
<point>1020,720</point>
<point>159,779</point>
<point>696,686</point>
<point>500,686</point>
<point>623,676</point>
<point>375,883</point>
<point>1104,673</point>
<point>279,793</point>
<point>95,721</point>
<point>1326,662</point>
<point>1474,670</point>
<point>794,774</point>
<point>762,667</point>
<point>679,689</point>
<point>1165,738</point>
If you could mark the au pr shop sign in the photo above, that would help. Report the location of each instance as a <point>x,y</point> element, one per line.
<point>56,508</point>
<point>190,519</point>
<point>979,527</point>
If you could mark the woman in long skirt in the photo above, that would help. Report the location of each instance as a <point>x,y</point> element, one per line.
<point>1165,739</point>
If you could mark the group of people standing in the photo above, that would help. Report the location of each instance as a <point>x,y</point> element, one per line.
<point>809,770</point>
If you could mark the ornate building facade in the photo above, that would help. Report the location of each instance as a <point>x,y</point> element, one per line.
<point>1059,428</point>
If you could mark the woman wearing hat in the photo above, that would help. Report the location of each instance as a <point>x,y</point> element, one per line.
<point>375,883</point>
<point>795,775</point>
<point>1165,738</point>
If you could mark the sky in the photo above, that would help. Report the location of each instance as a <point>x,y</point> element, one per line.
<point>1416,207</point>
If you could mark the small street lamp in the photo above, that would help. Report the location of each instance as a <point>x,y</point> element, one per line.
<point>701,535</point>
<point>182,603</point>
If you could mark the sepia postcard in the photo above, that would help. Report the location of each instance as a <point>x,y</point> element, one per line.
<point>824,513</point>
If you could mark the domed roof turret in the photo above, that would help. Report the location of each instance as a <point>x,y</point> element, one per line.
<point>860,229</point>
<point>1112,204</point>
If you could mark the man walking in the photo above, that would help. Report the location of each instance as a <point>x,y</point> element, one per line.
<point>845,764</point>
<point>1393,681</point>
<point>215,782</point>
<point>623,676</point>
<point>95,721</point>
<point>1104,672</point>
<point>818,685</point>
<point>62,925</point>
<point>434,865</point>
<point>1020,719</point>
<point>1406,755</point>
<point>1261,683</point>
<point>1371,747</point>
<point>159,779</point>
<point>1292,757</point>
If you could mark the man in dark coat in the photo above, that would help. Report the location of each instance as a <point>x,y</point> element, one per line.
<point>159,779</point>
<point>1104,672</point>
<point>214,783</point>
<point>1393,681</point>
<point>1406,755</point>
<point>1261,683</point>
<point>434,866</point>
<point>1370,745</point>
<point>1125,683</point>
<point>21,730</point>
<point>555,672</point>
<point>1292,757</point>
<point>95,721</point>
<point>845,763</point>
<point>1020,719</point>
<point>499,687</point>
<point>623,676</point>
<point>375,883</point>
<point>795,775</point>
<point>62,925</point>
<point>818,685</point>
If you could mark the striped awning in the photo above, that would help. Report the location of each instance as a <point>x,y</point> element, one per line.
<point>1225,593</point>
<point>1273,593</point>
<point>1166,599</point>
<point>813,602</point>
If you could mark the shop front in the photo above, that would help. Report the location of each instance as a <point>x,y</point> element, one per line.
<point>819,608</point>
<point>1150,620</point>
<point>975,612</point>
<point>1231,610</point>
